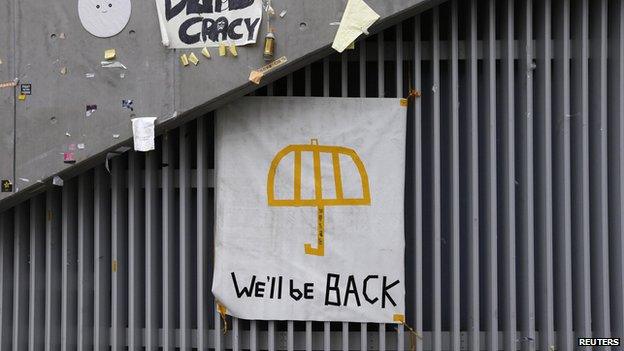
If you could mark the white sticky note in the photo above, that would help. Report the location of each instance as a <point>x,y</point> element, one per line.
<point>357,18</point>
<point>143,131</point>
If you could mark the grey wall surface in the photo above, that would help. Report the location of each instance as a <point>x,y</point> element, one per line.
<point>7,109</point>
<point>50,38</point>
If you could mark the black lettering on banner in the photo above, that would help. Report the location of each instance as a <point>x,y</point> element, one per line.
<point>246,290</point>
<point>203,6</point>
<point>220,27</point>
<point>279,288</point>
<point>296,294</point>
<point>183,31</point>
<point>351,289</point>
<point>251,27</point>
<point>231,29</point>
<point>260,289</point>
<point>369,300</point>
<point>194,6</point>
<point>272,286</point>
<point>385,293</point>
<point>308,290</point>
<point>239,4</point>
<point>334,288</point>
<point>171,12</point>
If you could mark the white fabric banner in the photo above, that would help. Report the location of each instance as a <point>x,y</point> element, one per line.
<point>309,209</point>
<point>195,24</point>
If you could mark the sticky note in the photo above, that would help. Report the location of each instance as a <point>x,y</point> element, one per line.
<point>110,54</point>
<point>233,50</point>
<point>193,58</point>
<point>205,52</point>
<point>184,60</point>
<point>21,97</point>
<point>222,49</point>
<point>357,18</point>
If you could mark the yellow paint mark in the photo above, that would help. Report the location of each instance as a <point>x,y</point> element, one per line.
<point>319,202</point>
<point>337,176</point>
<point>297,175</point>
<point>114,266</point>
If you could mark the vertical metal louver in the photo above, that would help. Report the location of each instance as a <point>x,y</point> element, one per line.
<point>514,206</point>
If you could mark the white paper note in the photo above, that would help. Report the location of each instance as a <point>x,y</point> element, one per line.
<point>143,131</point>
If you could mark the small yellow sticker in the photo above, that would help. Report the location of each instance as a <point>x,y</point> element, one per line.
<point>184,60</point>
<point>21,97</point>
<point>114,266</point>
<point>399,318</point>
<point>110,54</point>
<point>205,52</point>
<point>193,58</point>
<point>403,102</point>
<point>233,50</point>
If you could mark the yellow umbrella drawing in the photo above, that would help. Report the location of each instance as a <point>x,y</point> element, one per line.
<point>318,201</point>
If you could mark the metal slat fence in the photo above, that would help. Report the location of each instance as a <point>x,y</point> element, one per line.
<point>514,194</point>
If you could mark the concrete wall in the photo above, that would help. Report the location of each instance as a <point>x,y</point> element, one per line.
<point>50,39</point>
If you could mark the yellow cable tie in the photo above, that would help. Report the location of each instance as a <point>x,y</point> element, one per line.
<point>222,311</point>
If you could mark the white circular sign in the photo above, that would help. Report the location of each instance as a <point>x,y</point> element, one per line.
<point>104,18</point>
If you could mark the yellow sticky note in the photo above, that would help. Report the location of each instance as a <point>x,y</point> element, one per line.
<point>21,97</point>
<point>110,54</point>
<point>205,52</point>
<point>193,58</point>
<point>357,18</point>
<point>222,49</point>
<point>184,60</point>
<point>233,50</point>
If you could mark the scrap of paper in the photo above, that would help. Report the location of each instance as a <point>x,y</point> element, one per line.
<point>90,110</point>
<point>357,18</point>
<point>256,75</point>
<point>143,132</point>
<point>57,181</point>
<point>129,104</point>
<point>113,64</point>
